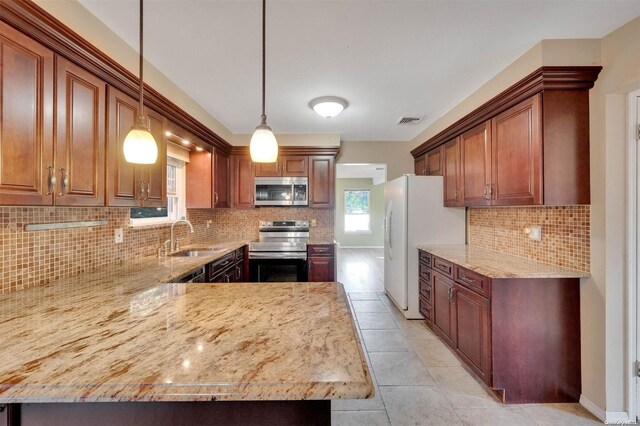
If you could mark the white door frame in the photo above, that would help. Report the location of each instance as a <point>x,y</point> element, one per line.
<point>633,246</point>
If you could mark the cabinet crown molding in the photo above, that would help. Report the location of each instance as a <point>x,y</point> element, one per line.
<point>293,150</point>
<point>544,78</point>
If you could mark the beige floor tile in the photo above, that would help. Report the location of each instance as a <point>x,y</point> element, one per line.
<point>359,418</point>
<point>385,299</point>
<point>434,353</point>
<point>500,416</point>
<point>385,341</point>
<point>363,295</point>
<point>375,321</point>
<point>368,306</point>
<point>399,368</point>
<point>559,414</point>
<point>461,389</point>
<point>418,405</point>
<point>416,330</point>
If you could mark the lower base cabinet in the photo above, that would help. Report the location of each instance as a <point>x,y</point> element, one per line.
<point>321,263</point>
<point>520,336</point>
<point>228,269</point>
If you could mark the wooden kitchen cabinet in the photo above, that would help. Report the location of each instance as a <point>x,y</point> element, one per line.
<point>519,336</point>
<point>285,165</point>
<point>475,148</point>
<point>26,120</point>
<point>321,263</point>
<point>452,173</point>
<point>420,165</point>
<point>221,184</point>
<point>434,162</point>
<point>80,136</point>
<point>516,155</point>
<point>322,181</point>
<point>199,180</point>
<point>444,314</point>
<point>132,185</point>
<point>242,184</point>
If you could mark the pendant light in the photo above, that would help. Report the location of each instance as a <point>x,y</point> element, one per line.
<point>263,146</point>
<point>139,146</point>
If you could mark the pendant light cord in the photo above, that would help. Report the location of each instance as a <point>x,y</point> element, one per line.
<point>141,112</point>
<point>264,34</point>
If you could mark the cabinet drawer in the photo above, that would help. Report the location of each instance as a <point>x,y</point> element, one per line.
<point>424,272</point>
<point>426,310</point>
<point>221,264</point>
<point>425,257</point>
<point>239,254</point>
<point>321,250</point>
<point>472,280</point>
<point>425,290</point>
<point>443,266</point>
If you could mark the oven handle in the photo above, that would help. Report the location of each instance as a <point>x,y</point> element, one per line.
<point>277,255</point>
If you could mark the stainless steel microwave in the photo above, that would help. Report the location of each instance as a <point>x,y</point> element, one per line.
<point>281,191</point>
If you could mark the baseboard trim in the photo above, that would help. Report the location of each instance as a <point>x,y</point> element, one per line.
<point>608,417</point>
<point>376,247</point>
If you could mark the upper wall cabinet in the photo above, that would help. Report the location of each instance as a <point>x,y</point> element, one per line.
<point>429,164</point>
<point>131,185</point>
<point>38,167</point>
<point>322,181</point>
<point>527,146</point>
<point>221,183</point>
<point>286,165</point>
<point>208,180</point>
<point>242,172</point>
<point>452,173</point>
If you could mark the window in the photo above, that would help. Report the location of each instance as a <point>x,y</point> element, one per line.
<point>176,205</point>
<point>356,211</point>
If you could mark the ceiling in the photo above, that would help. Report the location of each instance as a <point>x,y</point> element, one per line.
<point>387,58</point>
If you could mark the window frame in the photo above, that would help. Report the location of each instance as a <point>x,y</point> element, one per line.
<point>344,224</point>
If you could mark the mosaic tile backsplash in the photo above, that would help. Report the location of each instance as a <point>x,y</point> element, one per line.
<point>34,258</point>
<point>565,233</point>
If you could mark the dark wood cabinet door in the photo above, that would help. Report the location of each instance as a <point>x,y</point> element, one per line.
<point>473,332</point>
<point>80,143</point>
<point>475,148</point>
<point>26,120</point>
<point>155,175</point>
<point>242,181</point>
<point>434,162</point>
<point>268,169</point>
<point>420,166</point>
<point>122,189</point>
<point>222,193</point>
<point>321,269</point>
<point>451,172</point>
<point>516,151</point>
<point>444,318</point>
<point>294,165</point>
<point>239,277</point>
<point>322,181</point>
<point>199,182</point>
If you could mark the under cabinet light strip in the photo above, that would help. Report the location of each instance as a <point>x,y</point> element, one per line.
<point>63,225</point>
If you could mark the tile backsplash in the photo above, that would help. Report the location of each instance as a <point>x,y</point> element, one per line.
<point>565,233</point>
<point>35,258</point>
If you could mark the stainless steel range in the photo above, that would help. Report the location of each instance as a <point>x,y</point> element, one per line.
<point>281,252</point>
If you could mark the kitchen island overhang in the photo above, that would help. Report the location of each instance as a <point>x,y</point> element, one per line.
<point>216,351</point>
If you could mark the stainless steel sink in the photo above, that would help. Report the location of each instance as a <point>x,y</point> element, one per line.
<point>196,252</point>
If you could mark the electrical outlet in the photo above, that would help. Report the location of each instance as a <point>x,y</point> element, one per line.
<point>313,222</point>
<point>118,235</point>
<point>209,223</point>
<point>535,233</point>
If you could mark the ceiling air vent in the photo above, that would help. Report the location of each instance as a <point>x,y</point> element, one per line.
<point>409,120</point>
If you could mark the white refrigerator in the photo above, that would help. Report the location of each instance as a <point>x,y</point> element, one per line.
<point>414,215</point>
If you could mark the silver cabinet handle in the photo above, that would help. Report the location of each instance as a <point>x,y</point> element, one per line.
<point>215,199</point>
<point>64,182</point>
<point>51,181</point>
<point>141,196</point>
<point>146,197</point>
<point>466,280</point>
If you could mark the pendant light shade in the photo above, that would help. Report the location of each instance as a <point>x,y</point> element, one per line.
<point>263,146</point>
<point>139,145</point>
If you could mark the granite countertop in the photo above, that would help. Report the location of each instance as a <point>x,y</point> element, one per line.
<point>116,334</point>
<point>320,241</point>
<point>499,265</point>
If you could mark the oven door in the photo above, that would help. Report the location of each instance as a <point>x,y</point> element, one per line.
<point>277,267</point>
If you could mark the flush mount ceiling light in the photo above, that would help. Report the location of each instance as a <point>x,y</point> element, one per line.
<point>139,145</point>
<point>263,146</point>
<point>328,106</point>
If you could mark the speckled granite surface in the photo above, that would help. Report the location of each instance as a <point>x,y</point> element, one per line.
<point>320,241</point>
<point>499,265</point>
<point>118,335</point>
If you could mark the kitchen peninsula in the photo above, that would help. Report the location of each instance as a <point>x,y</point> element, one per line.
<point>115,346</point>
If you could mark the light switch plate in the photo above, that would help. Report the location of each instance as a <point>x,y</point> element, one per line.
<point>118,235</point>
<point>535,233</point>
